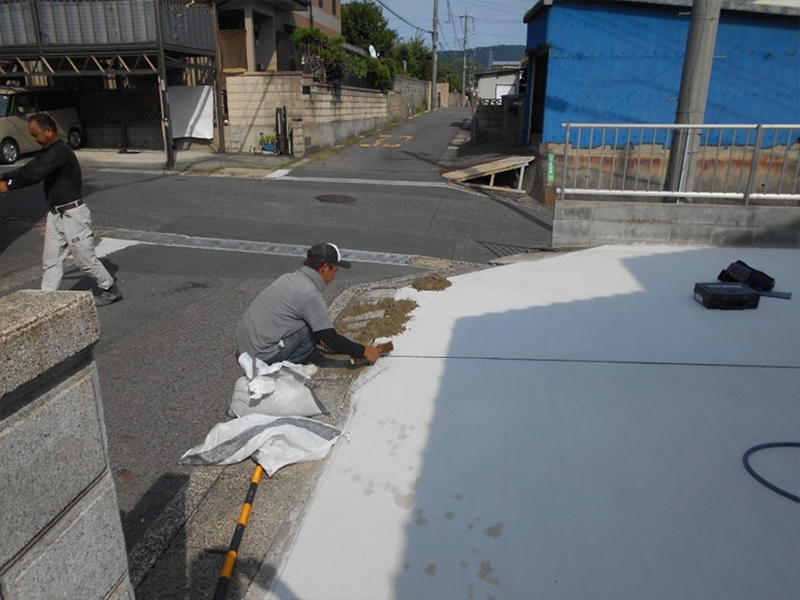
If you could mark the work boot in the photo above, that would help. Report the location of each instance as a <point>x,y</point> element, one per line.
<point>108,296</point>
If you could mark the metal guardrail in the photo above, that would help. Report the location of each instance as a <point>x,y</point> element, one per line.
<point>739,162</point>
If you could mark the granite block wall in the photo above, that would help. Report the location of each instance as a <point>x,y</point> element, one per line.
<point>60,530</point>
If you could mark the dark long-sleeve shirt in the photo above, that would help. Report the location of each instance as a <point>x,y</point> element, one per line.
<point>58,167</point>
<point>338,343</point>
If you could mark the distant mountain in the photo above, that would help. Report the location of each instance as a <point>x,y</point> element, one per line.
<point>482,55</point>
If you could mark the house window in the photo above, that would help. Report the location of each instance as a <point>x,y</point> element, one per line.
<point>333,7</point>
<point>321,3</point>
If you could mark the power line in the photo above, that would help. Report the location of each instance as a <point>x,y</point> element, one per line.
<point>402,19</point>
<point>494,9</point>
<point>500,20</point>
<point>452,22</point>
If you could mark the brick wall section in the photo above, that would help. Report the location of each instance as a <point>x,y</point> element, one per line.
<point>487,122</point>
<point>330,113</point>
<point>409,97</point>
<point>339,103</point>
<point>252,101</point>
<point>586,223</point>
<point>60,531</point>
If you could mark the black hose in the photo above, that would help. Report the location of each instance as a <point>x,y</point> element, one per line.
<point>761,480</point>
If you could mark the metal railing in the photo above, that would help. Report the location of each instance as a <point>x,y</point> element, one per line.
<point>737,162</point>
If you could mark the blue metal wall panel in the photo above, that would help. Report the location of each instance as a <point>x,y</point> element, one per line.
<point>537,31</point>
<point>615,62</point>
<point>756,76</point>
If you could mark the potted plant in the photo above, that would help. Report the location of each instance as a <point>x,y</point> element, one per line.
<point>268,143</point>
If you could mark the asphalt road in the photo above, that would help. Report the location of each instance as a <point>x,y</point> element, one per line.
<point>166,353</point>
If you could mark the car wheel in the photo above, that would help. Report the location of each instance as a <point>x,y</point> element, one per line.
<point>74,139</point>
<point>9,151</point>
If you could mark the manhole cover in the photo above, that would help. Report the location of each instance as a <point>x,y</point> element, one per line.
<point>336,198</point>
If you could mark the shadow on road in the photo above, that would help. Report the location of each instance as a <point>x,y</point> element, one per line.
<point>20,212</point>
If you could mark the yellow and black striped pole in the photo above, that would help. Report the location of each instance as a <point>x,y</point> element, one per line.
<point>233,550</point>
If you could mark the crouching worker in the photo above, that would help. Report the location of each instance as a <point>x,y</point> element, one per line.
<point>288,319</point>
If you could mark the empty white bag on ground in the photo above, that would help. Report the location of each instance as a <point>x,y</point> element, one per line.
<point>278,389</point>
<point>273,441</point>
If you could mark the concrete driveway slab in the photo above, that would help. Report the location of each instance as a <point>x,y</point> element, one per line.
<point>571,427</point>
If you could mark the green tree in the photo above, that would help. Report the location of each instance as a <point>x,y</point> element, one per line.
<point>323,56</point>
<point>363,24</point>
<point>450,70</point>
<point>413,58</point>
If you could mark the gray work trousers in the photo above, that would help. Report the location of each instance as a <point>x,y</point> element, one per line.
<point>296,348</point>
<point>71,231</point>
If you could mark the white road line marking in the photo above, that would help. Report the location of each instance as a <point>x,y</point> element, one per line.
<point>122,238</point>
<point>427,184</point>
<point>279,173</point>
<point>109,245</point>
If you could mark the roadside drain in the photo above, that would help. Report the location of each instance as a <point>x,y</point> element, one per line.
<point>183,241</point>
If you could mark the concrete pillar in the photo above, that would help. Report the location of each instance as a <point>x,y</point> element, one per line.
<point>60,530</point>
<point>250,39</point>
<point>298,141</point>
<point>268,38</point>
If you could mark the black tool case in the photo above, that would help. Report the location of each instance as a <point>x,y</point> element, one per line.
<point>726,296</point>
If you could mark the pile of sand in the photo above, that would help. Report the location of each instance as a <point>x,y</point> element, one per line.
<point>390,319</point>
<point>432,282</point>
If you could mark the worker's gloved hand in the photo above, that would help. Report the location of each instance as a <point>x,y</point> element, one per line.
<point>371,353</point>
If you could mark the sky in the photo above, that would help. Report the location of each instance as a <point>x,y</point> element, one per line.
<point>492,23</point>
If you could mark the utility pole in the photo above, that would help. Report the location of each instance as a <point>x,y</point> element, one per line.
<point>435,65</point>
<point>163,93</point>
<point>218,79</point>
<point>464,68</point>
<point>695,80</point>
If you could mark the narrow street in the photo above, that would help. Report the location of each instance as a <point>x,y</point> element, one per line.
<point>166,354</point>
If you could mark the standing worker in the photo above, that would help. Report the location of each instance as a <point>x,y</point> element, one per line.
<point>69,224</point>
<point>288,318</point>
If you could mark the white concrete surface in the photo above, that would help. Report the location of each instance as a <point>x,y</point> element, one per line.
<point>569,428</point>
<point>107,246</point>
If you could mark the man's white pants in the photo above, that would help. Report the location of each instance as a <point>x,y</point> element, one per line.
<point>71,230</point>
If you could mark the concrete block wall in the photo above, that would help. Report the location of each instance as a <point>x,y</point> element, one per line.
<point>409,97</point>
<point>487,122</point>
<point>336,113</point>
<point>330,113</point>
<point>339,103</point>
<point>60,530</point>
<point>252,100</point>
<point>596,222</point>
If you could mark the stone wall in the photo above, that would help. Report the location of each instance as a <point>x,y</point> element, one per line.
<point>586,223</point>
<point>60,530</point>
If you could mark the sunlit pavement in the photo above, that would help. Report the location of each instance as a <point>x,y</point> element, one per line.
<point>564,428</point>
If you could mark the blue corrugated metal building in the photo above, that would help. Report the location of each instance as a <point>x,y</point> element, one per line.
<point>621,61</point>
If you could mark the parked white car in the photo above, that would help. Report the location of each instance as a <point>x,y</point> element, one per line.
<point>17,104</point>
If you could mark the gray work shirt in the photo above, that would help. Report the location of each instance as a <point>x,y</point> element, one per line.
<point>291,302</point>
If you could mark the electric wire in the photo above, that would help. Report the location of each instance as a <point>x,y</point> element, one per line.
<point>595,361</point>
<point>403,19</point>
<point>761,480</point>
